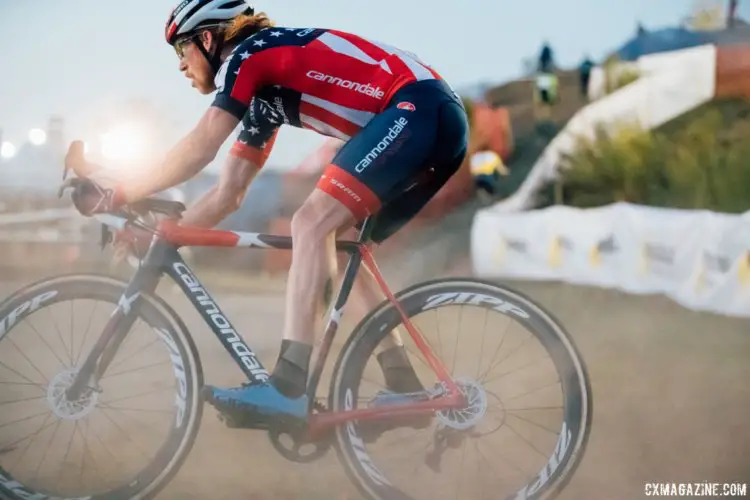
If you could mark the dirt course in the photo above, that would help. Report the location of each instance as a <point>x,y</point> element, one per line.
<point>671,399</point>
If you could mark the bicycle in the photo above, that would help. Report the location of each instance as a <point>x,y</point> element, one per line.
<point>457,403</point>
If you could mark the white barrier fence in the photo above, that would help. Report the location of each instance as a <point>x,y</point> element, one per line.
<point>700,259</point>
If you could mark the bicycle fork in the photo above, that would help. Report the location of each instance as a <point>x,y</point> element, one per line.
<point>119,324</point>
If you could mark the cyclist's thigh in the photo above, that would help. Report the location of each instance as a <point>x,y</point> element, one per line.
<point>381,161</point>
<point>400,210</point>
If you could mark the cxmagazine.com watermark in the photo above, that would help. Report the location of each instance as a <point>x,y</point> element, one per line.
<point>703,489</point>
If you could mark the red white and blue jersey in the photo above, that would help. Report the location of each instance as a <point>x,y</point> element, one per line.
<point>319,79</point>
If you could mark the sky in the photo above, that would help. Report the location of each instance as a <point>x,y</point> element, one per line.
<point>87,59</point>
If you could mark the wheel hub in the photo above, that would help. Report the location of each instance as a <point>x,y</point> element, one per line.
<point>472,414</point>
<point>58,402</point>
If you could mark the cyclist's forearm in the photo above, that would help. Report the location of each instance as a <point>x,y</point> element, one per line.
<point>224,198</point>
<point>191,155</point>
<point>208,211</point>
<point>183,162</point>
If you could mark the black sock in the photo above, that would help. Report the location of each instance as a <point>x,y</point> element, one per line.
<point>398,372</point>
<point>290,373</point>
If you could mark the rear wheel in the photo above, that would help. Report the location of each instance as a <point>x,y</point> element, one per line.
<point>496,424</point>
<point>123,441</point>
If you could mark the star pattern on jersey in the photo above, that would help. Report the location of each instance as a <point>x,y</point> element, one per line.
<point>259,43</point>
<point>276,34</point>
<point>254,130</point>
<point>245,55</point>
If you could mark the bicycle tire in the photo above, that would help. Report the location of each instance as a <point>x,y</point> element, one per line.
<point>155,312</point>
<point>351,362</point>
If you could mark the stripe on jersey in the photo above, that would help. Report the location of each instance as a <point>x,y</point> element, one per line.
<point>415,65</point>
<point>360,118</point>
<point>322,128</point>
<point>329,118</point>
<point>343,46</point>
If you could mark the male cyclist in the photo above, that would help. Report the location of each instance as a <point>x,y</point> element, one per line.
<point>405,134</point>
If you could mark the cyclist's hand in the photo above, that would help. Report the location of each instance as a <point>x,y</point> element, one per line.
<point>90,198</point>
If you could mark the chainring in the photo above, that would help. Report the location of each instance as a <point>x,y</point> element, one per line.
<point>296,444</point>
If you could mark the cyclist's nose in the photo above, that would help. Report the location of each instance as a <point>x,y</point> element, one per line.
<point>182,65</point>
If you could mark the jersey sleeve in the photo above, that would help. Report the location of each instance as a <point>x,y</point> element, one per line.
<point>258,130</point>
<point>240,77</point>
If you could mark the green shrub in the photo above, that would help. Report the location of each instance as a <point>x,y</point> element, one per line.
<point>702,163</point>
<point>618,76</point>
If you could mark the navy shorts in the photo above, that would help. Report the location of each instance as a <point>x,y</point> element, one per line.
<point>401,158</point>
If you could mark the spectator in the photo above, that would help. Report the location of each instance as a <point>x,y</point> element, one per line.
<point>585,76</point>
<point>546,59</point>
<point>546,85</point>
<point>486,167</point>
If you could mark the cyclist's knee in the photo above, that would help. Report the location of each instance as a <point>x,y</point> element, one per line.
<point>320,216</point>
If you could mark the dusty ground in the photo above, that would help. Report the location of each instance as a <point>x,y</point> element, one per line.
<point>671,399</point>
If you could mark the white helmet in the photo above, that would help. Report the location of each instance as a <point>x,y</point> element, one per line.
<point>192,15</point>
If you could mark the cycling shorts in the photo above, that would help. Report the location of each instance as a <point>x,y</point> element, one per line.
<point>401,158</point>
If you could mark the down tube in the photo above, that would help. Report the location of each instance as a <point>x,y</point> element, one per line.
<point>247,360</point>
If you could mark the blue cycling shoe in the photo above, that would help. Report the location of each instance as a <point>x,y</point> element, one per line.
<point>258,405</point>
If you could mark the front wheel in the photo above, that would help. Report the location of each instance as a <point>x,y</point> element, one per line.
<point>122,440</point>
<point>517,451</point>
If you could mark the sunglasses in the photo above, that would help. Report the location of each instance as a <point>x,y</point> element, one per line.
<point>181,45</point>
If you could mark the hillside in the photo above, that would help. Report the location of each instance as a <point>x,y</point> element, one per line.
<point>696,161</point>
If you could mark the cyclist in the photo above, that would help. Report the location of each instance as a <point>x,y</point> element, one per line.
<point>406,134</point>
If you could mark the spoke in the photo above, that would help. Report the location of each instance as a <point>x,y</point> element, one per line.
<point>88,448</point>
<point>497,351</point>
<point>59,335</point>
<point>497,377</point>
<point>129,356</point>
<point>86,334</point>
<point>461,468</point>
<point>541,453</point>
<point>65,457</point>
<point>3,403</point>
<point>153,365</point>
<point>24,419</point>
<point>127,436</point>
<point>503,457</point>
<point>41,386</point>
<point>28,320</point>
<point>34,436</point>
<point>536,408</point>
<point>72,330</point>
<point>109,407</point>
<point>481,346</point>
<point>440,341</point>
<point>536,424</point>
<point>46,382</point>
<point>36,474</point>
<point>153,391</point>
<point>498,363</point>
<point>458,337</point>
<point>532,391</point>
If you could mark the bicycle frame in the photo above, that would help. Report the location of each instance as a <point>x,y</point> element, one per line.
<point>163,258</point>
